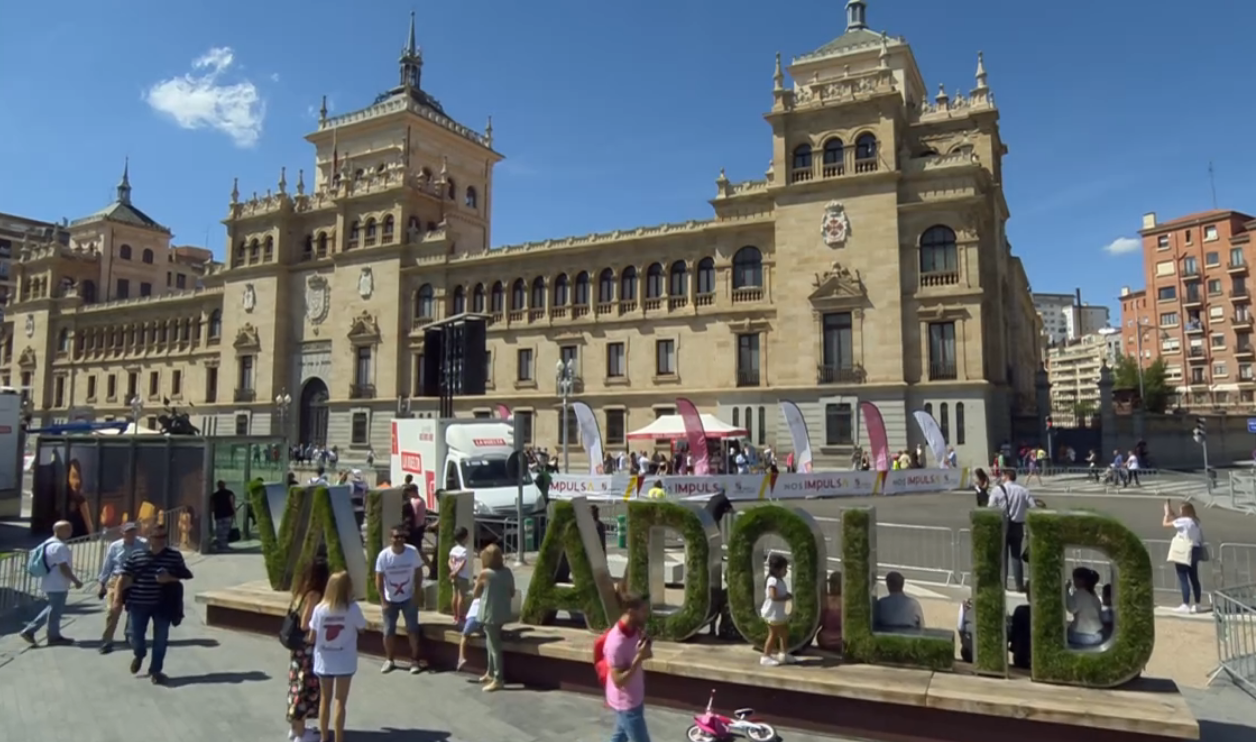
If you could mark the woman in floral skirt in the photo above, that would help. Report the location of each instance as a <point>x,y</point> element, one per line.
<point>303,693</point>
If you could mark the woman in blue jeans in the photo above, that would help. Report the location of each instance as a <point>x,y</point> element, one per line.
<point>1186,524</point>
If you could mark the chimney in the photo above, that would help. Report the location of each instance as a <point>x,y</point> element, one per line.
<point>1125,291</point>
<point>1149,220</point>
<point>1077,297</point>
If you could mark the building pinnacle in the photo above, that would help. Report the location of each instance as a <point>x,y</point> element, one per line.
<point>982,78</point>
<point>283,180</point>
<point>322,112</point>
<point>235,190</point>
<point>778,77</point>
<point>124,185</point>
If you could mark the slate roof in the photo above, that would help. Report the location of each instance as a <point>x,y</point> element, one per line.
<point>125,213</point>
<point>852,39</point>
<point>419,96</point>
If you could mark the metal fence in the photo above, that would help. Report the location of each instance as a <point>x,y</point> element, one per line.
<point>19,589</point>
<point>1234,614</point>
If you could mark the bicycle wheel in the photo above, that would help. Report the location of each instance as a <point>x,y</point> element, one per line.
<point>695,734</point>
<point>761,732</point>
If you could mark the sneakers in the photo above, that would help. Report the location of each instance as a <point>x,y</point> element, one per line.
<point>59,641</point>
<point>768,661</point>
<point>1184,608</point>
<point>106,648</point>
<point>158,678</point>
<point>485,678</point>
<point>388,667</point>
<point>493,686</point>
<point>1195,608</point>
<point>29,638</point>
<point>415,669</point>
<point>786,659</point>
<point>136,664</point>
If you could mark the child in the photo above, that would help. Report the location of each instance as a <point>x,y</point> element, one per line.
<point>460,572</point>
<point>830,636</point>
<point>334,628</point>
<point>774,613</point>
<point>472,627</point>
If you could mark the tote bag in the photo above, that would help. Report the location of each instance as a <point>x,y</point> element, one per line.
<point>1180,550</point>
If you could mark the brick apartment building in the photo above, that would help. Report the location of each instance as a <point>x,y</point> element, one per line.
<point>1196,309</point>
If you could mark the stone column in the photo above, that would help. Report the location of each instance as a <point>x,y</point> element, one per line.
<point>1042,390</point>
<point>1107,412</point>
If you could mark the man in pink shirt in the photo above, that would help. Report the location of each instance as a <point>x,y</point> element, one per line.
<point>627,648</point>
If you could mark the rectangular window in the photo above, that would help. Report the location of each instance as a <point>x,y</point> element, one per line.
<point>1214,286</point>
<point>58,392</point>
<point>242,424</point>
<point>1162,241</point>
<point>524,371</point>
<point>1236,257</point>
<point>169,278</point>
<point>1197,376</point>
<point>361,429</point>
<point>1171,345</point>
<point>111,386</point>
<point>1190,266</point>
<point>146,289</point>
<point>616,427</point>
<point>362,367</point>
<point>839,428</point>
<point>417,360</point>
<point>1166,268</point>
<point>616,361</point>
<point>1212,259</point>
<point>942,357</point>
<point>839,356</point>
<point>180,281</point>
<point>665,358</point>
<point>1166,293</point>
<point>1218,369</point>
<point>1189,238</point>
<point>488,372</point>
<point>570,355</point>
<point>1218,341</point>
<point>132,385</point>
<point>1245,371</point>
<point>748,360</point>
<point>124,289</point>
<point>91,386</point>
<point>211,384</point>
<point>1169,319</point>
<point>525,426</point>
<point>1210,234</point>
<point>176,383</point>
<point>154,383</point>
<point>246,373</point>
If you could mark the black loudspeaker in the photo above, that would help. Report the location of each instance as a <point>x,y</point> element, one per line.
<point>457,353</point>
<point>473,344</point>
<point>433,349</point>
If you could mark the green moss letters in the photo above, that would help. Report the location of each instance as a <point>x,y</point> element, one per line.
<point>1050,534</point>
<point>282,532</point>
<point>646,521</point>
<point>374,539</point>
<point>591,592</point>
<point>989,545</point>
<point>932,649</point>
<point>806,545</point>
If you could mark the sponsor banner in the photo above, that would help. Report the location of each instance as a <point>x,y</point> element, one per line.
<point>907,481</point>
<point>695,436</point>
<point>798,435</point>
<point>592,486</point>
<point>734,486</point>
<point>826,484</point>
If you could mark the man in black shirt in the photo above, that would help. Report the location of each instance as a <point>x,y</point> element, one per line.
<point>222,504</point>
<point>149,582</point>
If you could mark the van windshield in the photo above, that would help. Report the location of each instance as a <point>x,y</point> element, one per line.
<point>482,472</point>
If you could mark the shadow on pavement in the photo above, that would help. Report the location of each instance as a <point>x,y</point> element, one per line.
<point>400,735</point>
<point>1221,731</point>
<point>218,678</point>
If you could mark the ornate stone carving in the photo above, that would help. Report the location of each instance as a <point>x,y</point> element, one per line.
<point>247,338</point>
<point>317,299</point>
<point>366,283</point>
<point>364,328</point>
<point>835,226</point>
<point>28,358</point>
<point>838,288</point>
<point>249,301</point>
<point>30,325</point>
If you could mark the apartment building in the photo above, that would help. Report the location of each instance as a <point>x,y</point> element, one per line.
<point>1073,370</point>
<point>1196,309</point>
<point>1065,318</point>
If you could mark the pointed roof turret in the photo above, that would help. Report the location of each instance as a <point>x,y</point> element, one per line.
<point>411,60</point>
<point>124,185</point>
<point>122,210</point>
<point>411,46</point>
<point>856,15</point>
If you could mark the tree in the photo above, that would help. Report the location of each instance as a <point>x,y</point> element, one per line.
<point>1155,386</point>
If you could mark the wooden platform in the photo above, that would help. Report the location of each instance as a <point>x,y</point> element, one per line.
<point>820,694</point>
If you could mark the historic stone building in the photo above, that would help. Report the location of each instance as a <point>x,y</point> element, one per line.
<point>869,264</point>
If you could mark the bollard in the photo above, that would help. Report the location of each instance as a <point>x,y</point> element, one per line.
<point>621,531</point>
<point>529,532</point>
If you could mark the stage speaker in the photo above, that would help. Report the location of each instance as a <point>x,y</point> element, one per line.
<point>473,344</point>
<point>433,349</point>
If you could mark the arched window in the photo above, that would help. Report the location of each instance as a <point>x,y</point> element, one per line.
<point>866,147</point>
<point>561,290</point>
<point>307,251</point>
<point>477,299</point>
<point>453,190</point>
<point>748,268</point>
<point>63,340</point>
<point>124,252</point>
<point>87,291</point>
<point>370,231</point>
<point>322,245</point>
<point>959,423</point>
<point>606,286</point>
<point>944,421</point>
<point>736,417</point>
<point>146,256</point>
<point>582,290</point>
<point>929,409</point>
<point>538,292</point>
<point>763,427</point>
<point>497,301</point>
<point>473,198</point>
<point>460,300</point>
<point>678,280</point>
<point>938,253</point>
<point>706,276</point>
<point>355,231</point>
<point>255,251</point>
<point>239,253</point>
<point>389,227</point>
<point>425,302</point>
<point>268,249</point>
<point>833,151</point>
<point>802,157</point>
<point>654,281</point>
<point>518,295</point>
<point>628,284</point>
<point>215,324</point>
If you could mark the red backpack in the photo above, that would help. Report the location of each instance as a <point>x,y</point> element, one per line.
<point>600,666</point>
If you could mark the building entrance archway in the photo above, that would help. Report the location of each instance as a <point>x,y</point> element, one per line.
<point>313,413</point>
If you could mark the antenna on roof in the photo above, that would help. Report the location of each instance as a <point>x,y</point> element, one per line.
<point>1212,183</point>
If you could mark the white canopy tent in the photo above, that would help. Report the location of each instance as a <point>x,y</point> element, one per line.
<point>673,427</point>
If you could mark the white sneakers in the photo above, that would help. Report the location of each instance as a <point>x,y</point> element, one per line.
<point>1184,608</point>
<point>388,666</point>
<point>780,659</point>
<point>768,661</point>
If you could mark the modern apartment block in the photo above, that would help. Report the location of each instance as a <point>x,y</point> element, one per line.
<point>1065,318</point>
<point>1196,310</point>
<point>1073,370</point>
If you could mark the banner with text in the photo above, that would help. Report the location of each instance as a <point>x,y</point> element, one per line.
<point>908,481</point>
<point>593,486</point>
<point>734,486</point>
<point>826,484</point>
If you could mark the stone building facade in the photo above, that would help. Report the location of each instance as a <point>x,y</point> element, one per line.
<point>869,264</point>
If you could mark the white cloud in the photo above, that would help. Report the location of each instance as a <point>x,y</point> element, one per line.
<point>200,99</point>
<point>1123,246</point>
<point>274,77</point>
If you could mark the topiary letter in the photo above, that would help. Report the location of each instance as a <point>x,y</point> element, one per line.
<point>931,649</point>
<point>807,560</point>
<point>571,530</point>
<point>1122,657</point>
<point>456,509</point>
<point>282,517</point>
<point>989,538</point>
<point>379,530</point>
<point>703,555</point>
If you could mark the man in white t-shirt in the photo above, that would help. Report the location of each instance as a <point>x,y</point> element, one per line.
<point>398,575</point>
<point>56,585</point>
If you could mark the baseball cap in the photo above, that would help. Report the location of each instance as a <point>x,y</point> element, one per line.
<point>128,527</point>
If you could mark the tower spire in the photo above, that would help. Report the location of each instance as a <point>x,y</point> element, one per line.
<point>124,185</point>
<point>410,43</point>
<point>411,59</point>
<point>856,15</point>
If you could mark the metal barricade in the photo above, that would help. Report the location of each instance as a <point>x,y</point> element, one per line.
<point>1236,564</point>
<point>1234,617</point>
<point>917,550</point>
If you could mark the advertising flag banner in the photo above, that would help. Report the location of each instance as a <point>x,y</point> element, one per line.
<point>933,436</point>
<point>695,436</point>
<point>798,435</point>
<point>590,436</point>
<point>877,439</point>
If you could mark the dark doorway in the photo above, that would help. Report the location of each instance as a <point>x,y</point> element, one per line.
<point>313,413</point>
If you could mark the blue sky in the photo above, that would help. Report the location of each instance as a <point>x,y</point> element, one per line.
<point>614,115</point>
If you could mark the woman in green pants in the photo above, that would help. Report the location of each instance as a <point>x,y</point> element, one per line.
<point>495,588</point>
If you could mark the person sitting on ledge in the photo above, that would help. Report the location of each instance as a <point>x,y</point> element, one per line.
<point>1019,636</point>
<point>830,636</point>
<point>897,610</point>
<point>1086,629</point>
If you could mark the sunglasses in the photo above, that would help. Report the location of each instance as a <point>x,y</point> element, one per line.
<point>398,537</point>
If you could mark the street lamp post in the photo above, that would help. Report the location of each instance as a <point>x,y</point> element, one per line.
<point>564,375</point>
<point>137,406</point>
<point>282,403</point>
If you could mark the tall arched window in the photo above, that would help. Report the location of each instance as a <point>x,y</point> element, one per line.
<point>87,292</point>
<point>866,147</point>
<point>146,256</point>
<point>678,280</point>
<point>959,423</point>
<point>561,290</point>
<point>425,302</point>
<point>370,231</point>
<point>748,268</point>
<point>538,292</point>
<point>355,232</point>
<point>606,286</point>
<point>124,252</point>
<point>268,249</point>
<point>833,156</point>
<point>654,281</point>
<point>628,284</point>
<point>763,427</point>
<point>453,190</point>
<point>802,157</point>
<point>255,251</point>
<point>63,341</point>
<point>582,290</point>
<point>322,245</point>
<point>497,300</point>
<point>736,417</point>
<point>473,198</point>
<point>929,409</point>
<point>215,324</point>
<point>518,295</point>
<point>938,253</point>
<point>460,300</point>
<point>307,250</point>
<point>477,299</point>
<point>944,421</point>
<point>706,276</point>
<point>390,225</point>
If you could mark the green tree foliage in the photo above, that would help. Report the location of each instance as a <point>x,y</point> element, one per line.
<point>1156,389</point>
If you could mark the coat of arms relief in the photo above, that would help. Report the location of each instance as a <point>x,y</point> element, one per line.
<point>317,299</point>
<point>835,226</point>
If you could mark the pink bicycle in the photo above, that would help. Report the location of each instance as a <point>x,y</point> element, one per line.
<point>712,727</point>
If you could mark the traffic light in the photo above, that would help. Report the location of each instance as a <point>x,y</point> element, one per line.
<point>1200,433</point>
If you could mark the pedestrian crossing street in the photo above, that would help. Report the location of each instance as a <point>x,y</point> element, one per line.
<point>1177,486</point>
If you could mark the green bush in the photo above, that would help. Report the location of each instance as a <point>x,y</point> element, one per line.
<point>544,595</point>
<point>374,540</point>
<point>805,570</point>
<point>444,542</point>
<point>1050,534</point>
<point>277,542</point>
<point>643,516</point>
<point>989,544</point>
<point>862,642</point>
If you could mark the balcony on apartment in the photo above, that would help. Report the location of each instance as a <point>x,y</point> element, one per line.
<point>747,377</point>
<point>1197,355</point>
<point>840,373</point>
<point>1239,294</point>
<point>1241,322</point>
<point>1193,297</point>
<point>943,371</point>
<point>1194,327</point>
<point>1244,350</point>
<point>1237,267</point>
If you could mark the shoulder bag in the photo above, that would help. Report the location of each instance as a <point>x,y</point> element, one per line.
<point>291,635</point>
<point>1180,550</point>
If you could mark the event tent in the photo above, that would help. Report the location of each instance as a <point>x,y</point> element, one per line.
<point>673,427</point>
